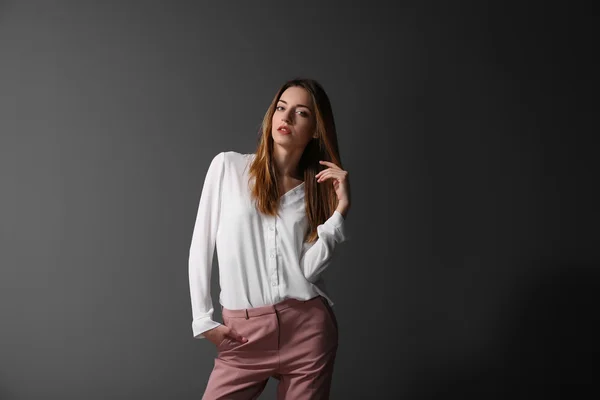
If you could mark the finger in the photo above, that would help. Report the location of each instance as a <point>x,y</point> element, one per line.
<point>330,170</point>
<point>322,176</point>
<point>320,173</point>
<point>236,336</point>
<point>330,174</point>
<point>325,175</point>
<point>332,165</point>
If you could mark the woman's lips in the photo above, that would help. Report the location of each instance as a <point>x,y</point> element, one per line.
<point>283,131</point>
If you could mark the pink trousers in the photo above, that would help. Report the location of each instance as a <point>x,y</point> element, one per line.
<point>294,341</point>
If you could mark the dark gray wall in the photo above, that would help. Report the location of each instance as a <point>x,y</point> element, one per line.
<point>474,260</point>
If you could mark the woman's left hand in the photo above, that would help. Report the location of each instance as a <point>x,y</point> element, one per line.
<point>340,179</point>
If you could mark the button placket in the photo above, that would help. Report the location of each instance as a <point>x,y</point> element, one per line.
<point>272,263</point>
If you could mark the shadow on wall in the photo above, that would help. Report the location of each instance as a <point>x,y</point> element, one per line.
<point>546,344</point>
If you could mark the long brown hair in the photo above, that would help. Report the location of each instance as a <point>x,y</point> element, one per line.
<point>320,199</point>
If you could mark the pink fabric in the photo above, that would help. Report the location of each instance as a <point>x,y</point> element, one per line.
<point>293,341</point>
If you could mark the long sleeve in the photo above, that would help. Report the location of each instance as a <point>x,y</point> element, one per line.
<point>202,248</point>
<point>316,258</point>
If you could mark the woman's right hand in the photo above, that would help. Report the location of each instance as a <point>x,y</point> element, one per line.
<point>218,334</point>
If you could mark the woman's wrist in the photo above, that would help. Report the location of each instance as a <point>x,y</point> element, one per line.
<point>343,208</point>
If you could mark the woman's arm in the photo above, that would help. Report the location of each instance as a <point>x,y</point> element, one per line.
<point>317,256</point>
<point>202,248</point>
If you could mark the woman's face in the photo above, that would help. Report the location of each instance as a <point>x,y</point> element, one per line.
<point>295,112</point>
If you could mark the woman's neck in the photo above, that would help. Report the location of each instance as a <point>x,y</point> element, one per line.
<point>286,164</point>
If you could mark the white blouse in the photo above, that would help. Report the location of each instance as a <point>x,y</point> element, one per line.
<point>262,259</point>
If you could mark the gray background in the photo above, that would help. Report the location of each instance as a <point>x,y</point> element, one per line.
<point>464,128</point>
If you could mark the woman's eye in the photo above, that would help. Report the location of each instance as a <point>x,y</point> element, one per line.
<point>303,113</point>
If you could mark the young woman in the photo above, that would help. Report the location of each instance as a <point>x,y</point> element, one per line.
<point>275,217</point>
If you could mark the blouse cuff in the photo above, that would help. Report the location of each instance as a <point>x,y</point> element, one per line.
<point>338,221</point>
<point>202,325</point>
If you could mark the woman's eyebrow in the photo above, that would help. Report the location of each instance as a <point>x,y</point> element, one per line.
<point>299,105</point>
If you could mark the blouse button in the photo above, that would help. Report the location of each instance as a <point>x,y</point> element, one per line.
<point>271,228</point>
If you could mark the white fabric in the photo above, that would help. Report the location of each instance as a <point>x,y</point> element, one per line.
<point>262,259</point>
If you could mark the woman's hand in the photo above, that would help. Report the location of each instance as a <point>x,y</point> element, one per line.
<point>218,334</point>
<point>341,184</point>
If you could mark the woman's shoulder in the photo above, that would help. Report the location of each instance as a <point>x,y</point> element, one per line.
<point>236,156</point>
<point>236,159</point>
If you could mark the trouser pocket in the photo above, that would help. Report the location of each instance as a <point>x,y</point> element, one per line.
<point>330,313</point>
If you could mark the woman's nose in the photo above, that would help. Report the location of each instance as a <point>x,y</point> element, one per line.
<point>286,117</point>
